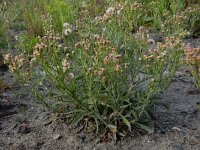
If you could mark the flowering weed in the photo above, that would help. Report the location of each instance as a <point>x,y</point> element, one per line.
<point>97,66</point>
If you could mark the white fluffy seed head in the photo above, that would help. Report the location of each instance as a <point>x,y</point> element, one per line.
<point>110,10</point>
<point>71,76</point>
<point>66,25</point>
<point>67,31</point>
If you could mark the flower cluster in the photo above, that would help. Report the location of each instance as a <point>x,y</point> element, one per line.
<point>155,55</point>
<point>15,62</point>
<point>161,52</point>
<point>85,44</point>
<point>101,42</point>
<point>178,18</point>
<point>66,64</point>
<point>67,29</point>
<point>182,20</point>
<point>142,33</point>
<point>47,24</point>
<point>105,59</point>
<point>47,49</point>
<point>110,12</point>
<point>136,5</point>
<point>94,40</point>
<point>193,9</point>
<point>112,57</point>
<point>192,56</point>
<point>46,43</point>
<point>143,37</point>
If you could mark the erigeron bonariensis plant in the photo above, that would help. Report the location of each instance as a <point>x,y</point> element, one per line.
<point>192,58</point>
<point>99,86</point>
<point>106,82</point>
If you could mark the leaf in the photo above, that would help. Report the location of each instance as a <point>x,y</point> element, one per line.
<point>148,115</point>
<point>121,134</point>
<point>78,118</point>
<point>78,78</point>
<point>148,19</point>
<point>112,127</point>
<point>135,115</point>
<point>165,105</point>
<point>125,106</point>
<point>113,114</point>
<point>96,80</point>
<point>125,120</point>
<point>74,111</point>
<point>157,101</point>
<point>105,104</point>
<point>149,129</point>
<point>97,125</point>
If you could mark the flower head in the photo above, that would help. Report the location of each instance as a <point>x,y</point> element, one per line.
<point>110,10</point>
<point>66,25</point>
<point>67,31</point>
<point>71,76</point>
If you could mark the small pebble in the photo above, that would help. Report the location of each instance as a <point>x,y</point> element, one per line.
<point>176,129</point>
<point>57,136</point>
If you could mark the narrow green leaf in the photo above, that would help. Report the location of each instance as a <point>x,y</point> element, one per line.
<point>78,118</point>
<point>78,78</point>
<point>97,125</point>
<point>134,114</point>
<point>121,134</point>
<point>149,129</point>
<point>113,114</point>
<point>125,106</point>
<point>148,19</point>
<point>74,111</point>
<point>111,126</point>
<point>125,120</point>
